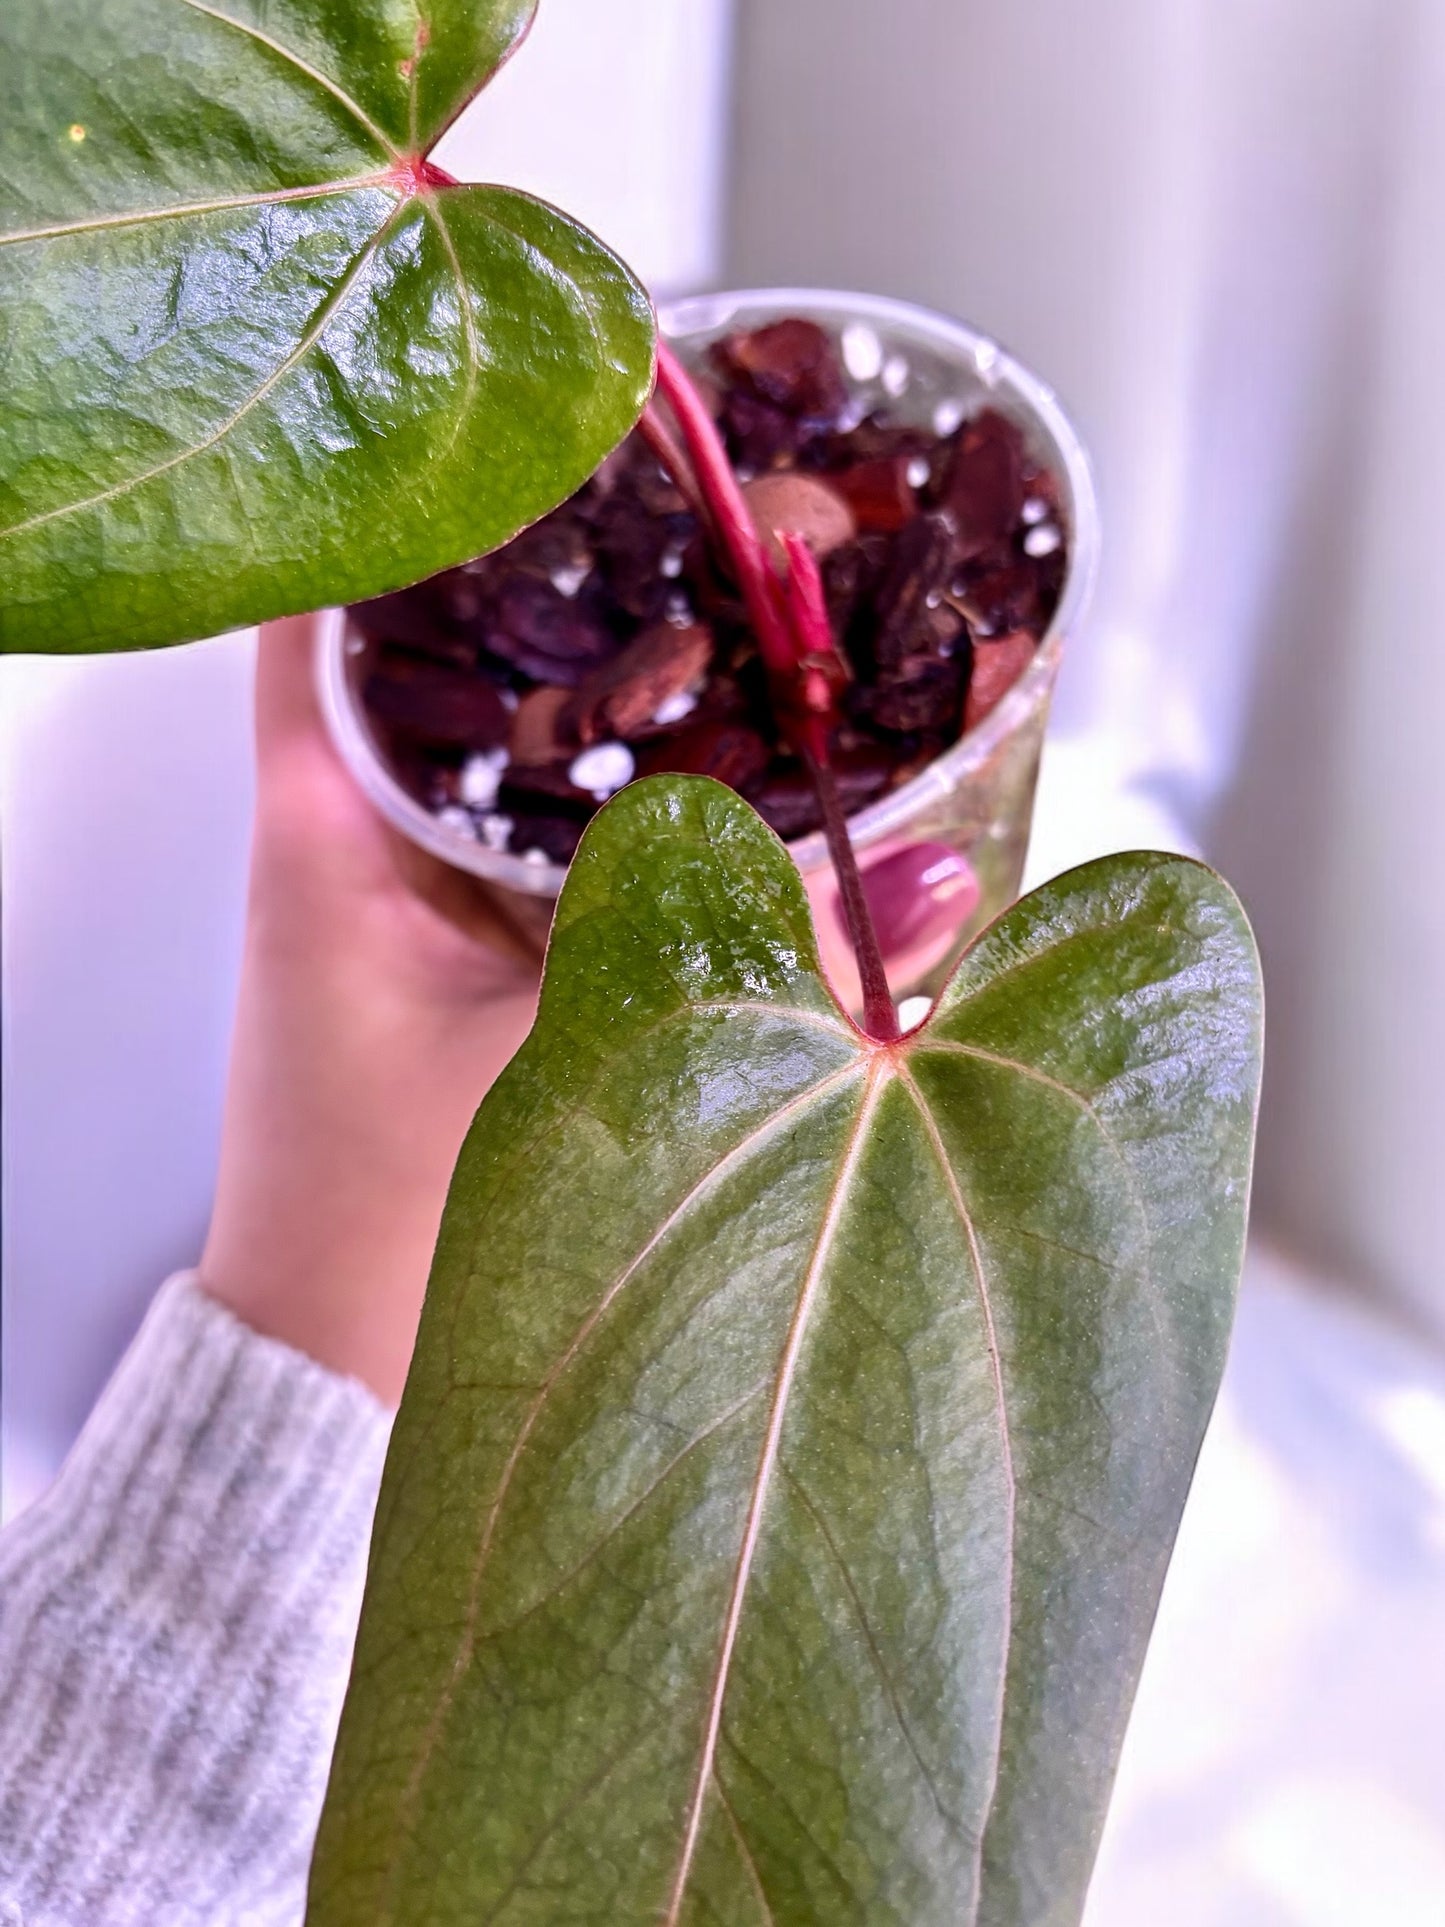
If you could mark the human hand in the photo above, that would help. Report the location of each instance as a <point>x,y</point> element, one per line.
<point>381,994</point>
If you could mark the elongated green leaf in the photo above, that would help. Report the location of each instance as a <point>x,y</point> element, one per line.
<point>253,359</point>
<point>798,1429</point>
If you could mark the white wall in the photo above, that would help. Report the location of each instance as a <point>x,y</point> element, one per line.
<point>1339,828</point>
<point>617,111</point>
<point>125,787</point>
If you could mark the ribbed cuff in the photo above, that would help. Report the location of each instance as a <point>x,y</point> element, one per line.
<point>176,1623</point>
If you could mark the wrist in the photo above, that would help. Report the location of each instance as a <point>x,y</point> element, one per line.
<point>344,1121</point>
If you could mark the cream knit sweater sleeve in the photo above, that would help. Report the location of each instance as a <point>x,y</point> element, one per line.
<point>176,1623</point>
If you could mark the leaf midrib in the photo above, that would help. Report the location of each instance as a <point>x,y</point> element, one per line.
<point>879,1068</point>
<point>724,1166</point>
<point>878,1077</point>
<point>965,1218</point>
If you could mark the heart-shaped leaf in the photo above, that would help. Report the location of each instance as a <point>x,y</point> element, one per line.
<point>256,355</point>
<point>799,1428</point>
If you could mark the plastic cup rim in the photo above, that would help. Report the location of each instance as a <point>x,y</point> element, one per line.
<point>985,362</point>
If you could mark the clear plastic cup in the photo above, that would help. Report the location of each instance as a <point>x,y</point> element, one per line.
<point>951,842</point>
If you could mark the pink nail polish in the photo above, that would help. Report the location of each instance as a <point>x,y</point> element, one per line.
<point>919,895</point>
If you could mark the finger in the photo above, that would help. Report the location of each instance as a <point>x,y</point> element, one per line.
<point>303,791</point>
<point>513,926</point>
<point>287,708</point>
<point>301,773</point>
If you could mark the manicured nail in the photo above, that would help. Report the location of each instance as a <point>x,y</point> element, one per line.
<point>919,895</point>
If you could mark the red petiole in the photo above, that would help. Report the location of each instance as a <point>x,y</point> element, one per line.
<point>734,527</point>
<point>670,455</point>
<point>789,613</point>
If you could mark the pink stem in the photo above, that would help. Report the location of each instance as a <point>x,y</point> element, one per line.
<point>808,607</point>
<point>880,1013</point>
<point>807,599</point>
<point>665,446</point>
<point>795,636</point>
<point>819,664</point>
<point>762,592</point>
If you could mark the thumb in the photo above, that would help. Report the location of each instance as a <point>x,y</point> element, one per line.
<point>287,708</point>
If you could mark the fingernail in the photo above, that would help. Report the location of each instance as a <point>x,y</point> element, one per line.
<point>919,895</point>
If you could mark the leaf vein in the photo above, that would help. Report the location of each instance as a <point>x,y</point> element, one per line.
<point>1090,1109</point>
<point>951,1184</point>
<point>313,74</point>
<point>782,1798</point>
<point>947,1046</point>
<point>619,1524</point>
<point>876,1655</point>
<point>715,1172</point>
<point>222,204</point>
<point>432,203</point>
<point>523,1152</point>
<point>755,1879</point>
<point>767,1464</point>
<point>807,1019</point>
<point>1053,1244</point>
<point>328,311</point>
<point>558,1819</point>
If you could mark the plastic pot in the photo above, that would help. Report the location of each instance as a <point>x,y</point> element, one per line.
<point>943,854</point>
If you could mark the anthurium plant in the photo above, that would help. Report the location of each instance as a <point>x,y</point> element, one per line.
<point>802,1412</point>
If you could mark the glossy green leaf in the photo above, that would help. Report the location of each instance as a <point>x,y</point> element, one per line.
<point>798,1429</point>
<point>252,360</point>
